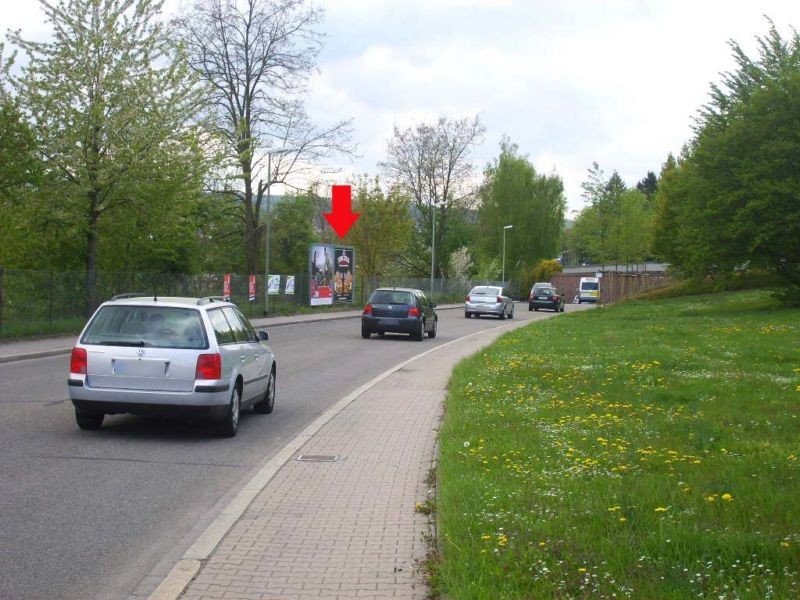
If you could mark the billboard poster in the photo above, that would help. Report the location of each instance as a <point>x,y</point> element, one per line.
<point>274,284</point>
<point>343,279</point>
<point>226,286</point>
<point>289,285</point>
<point>322,272</point>
<point>251,289</point>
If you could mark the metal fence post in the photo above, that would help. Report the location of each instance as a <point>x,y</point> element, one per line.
<point>2,299</point>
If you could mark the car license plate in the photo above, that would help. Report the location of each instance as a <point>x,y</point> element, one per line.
<point>542,298</point>
<point>139,368</point>
<point>389,321</point>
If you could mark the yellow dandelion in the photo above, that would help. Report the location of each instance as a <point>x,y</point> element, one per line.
<point>661,509</point>
<point>710,498</point>
<point>623,520</point>
<point>784,544</point>
<point>485,537</point>
<point>542,544</point>
<point>582,570</point>
<point>614,508</point>
<point>727,497</point>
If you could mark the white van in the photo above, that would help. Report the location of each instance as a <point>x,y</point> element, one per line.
<point>589,290</point>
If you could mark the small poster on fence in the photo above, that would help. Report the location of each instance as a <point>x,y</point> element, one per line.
<point>274,284</point>
<point>251,289</point>
<point>226,286</point>
<point>289,284</point>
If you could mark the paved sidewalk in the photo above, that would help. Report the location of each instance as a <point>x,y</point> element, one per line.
<point>348,528</point>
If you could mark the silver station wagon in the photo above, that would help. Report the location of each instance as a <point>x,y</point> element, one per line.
<point>183,356</point>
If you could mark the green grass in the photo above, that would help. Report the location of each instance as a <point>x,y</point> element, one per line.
<point>647,450</point>
<point>31,328</point>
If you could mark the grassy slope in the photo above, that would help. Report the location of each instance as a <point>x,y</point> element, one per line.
<point>647,450</point>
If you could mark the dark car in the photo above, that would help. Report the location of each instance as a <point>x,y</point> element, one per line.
<point>399,310</point>
<point>546,297</point>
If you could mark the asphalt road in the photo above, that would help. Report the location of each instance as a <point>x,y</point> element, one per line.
<point>105,514</point>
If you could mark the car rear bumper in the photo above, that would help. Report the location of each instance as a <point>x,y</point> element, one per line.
<point>480,308</point>
<point>591,299</point>
<point>390,325</point>
<point>206,398</point>
<point>543,304</point>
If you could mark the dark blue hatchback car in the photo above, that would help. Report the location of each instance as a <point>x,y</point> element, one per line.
<point>399,310</point>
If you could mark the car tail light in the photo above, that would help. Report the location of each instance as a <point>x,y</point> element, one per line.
<point>368,309</point>
<point>499,299</point>
<point>413,311</point>
<point>467,299</point>
<point>77,363</point>
<point>209,366</point>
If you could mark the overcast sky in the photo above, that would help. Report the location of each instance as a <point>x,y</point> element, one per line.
<point>572,82</point>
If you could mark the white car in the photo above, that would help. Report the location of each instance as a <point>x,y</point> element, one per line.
<point>185,356</point>
<point>488,300</point>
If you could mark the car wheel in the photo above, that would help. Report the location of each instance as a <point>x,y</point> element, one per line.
<point>89,420</point>
<point>503,315</point>
<point>230,424</point>
<point>432,332</point>
<point>511,314</point>
<point>530,308</point>
<point>419,334</point>
<point>365,333</point>
<point>268,403</point>
<point>467,315</point>
<point>562,309</point>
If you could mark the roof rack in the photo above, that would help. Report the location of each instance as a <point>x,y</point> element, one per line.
<point>209,299</point>
<point>128,295</point>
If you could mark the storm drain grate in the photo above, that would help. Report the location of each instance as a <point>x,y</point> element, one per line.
<point>318,457</point>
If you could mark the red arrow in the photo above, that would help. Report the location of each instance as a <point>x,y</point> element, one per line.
<point>341,216</point>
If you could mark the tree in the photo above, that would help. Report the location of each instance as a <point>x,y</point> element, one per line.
<point>732,201</point>
<point>431,163</point>
<point>461,263</point>
<point>648,185</point>
<point>256,57</point>
<point>112,107</point>
<point>542,271</point>
<point>381,234</point>
<point>292,233</point>
<point>515,194</point>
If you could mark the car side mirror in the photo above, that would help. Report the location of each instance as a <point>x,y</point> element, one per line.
<point>263,335</point>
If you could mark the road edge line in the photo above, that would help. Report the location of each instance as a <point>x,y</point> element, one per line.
<point>176,581</point>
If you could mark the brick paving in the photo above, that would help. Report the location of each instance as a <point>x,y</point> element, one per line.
<point>345,529</point>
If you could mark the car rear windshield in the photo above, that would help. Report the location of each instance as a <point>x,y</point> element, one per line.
<point>545,291</point>
<point>589,285</point>
<point>391,297</point>
<point>485,291</point>
<point>146,326</point>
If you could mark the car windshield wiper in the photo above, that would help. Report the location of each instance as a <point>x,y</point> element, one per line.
<point>136,344</point>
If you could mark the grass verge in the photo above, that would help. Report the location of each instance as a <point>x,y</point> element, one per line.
<point>648,450</point>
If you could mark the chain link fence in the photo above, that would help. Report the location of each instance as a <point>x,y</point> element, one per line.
<point>34,303</point>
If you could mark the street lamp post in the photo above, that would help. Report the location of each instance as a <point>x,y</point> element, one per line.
<point>269,224</point>
<point>504,252</point>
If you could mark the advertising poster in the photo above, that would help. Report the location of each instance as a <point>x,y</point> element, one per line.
<point>251,289</point>
<point>289,285</point>
<point>343,279</point>
<point>226,286</point>
<point>274,284</point>
<point>322,272</point>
